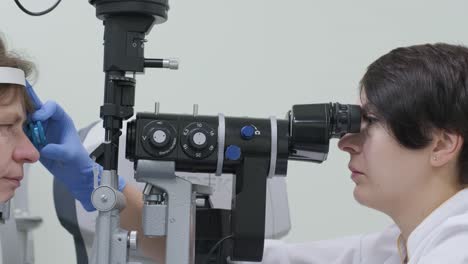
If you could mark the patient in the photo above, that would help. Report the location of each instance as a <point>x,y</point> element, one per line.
<point>63,156</point>
<point>16,149</point>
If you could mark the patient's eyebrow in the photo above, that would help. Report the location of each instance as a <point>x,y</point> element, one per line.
<point>8,98</point>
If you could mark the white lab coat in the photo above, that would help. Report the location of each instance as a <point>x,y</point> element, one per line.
<point>442,238</point>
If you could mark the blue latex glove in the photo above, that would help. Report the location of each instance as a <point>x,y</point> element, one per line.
<point>64,155</point>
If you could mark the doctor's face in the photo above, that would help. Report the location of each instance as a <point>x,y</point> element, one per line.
<point>15,147</point>
<point>386,174</point>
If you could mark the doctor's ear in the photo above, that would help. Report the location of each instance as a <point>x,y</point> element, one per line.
<point>446,147</point>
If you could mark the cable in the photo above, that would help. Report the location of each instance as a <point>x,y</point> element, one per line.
<point>36,13</point>
<point>212,250</point>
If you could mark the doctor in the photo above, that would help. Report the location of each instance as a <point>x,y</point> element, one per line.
<point>63,155</point>
<point>410,161</point>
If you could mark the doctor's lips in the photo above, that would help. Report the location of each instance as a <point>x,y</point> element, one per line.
<point>354,172</point>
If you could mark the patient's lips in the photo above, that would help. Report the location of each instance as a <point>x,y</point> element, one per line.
<point>14,180</point>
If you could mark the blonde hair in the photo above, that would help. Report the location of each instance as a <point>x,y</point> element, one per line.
<point>14,60</point>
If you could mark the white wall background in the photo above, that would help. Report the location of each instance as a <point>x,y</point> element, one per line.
<point>241,57</point>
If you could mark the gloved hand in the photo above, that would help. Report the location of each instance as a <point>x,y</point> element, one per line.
<point>64,155</point>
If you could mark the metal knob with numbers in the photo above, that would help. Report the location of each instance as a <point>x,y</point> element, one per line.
<point>198,140</point>
<point>159,138</point>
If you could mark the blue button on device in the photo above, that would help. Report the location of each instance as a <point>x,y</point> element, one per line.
<point>233,152</point>
<point>247,132</point>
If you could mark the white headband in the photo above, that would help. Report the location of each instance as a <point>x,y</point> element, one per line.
<point>12,76</point>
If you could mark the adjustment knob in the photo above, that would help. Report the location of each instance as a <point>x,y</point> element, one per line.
<point>132,240</point>
<point>160,137</point>
<point>198,139</point>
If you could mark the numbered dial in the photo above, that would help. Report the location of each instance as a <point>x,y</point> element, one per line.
<point>158,138</point>
<point>198,140</point>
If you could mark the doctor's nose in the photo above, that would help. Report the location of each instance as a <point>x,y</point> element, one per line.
<point>351,143</point>
<point>25,152</point>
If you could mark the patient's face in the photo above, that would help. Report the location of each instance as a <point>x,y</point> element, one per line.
<point>15,147</point>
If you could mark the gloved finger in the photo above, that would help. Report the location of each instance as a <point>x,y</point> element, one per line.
<point>34,98</point>
<point>50,110</point>
<point>56,152</point>
<point>122,183</point>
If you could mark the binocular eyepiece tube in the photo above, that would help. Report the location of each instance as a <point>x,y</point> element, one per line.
<point>313,125</point>
<point>194,139</point>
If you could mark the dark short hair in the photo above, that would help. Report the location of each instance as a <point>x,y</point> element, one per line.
<point>420,88</point>
<point>10,59</point>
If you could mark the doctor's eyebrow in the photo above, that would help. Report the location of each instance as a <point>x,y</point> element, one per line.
<point>368,109</point>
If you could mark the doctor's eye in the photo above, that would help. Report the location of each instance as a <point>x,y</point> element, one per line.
<point>369,119</point>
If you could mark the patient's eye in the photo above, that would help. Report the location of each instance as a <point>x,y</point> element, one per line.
<point>6,129</point>
<point>11,126</point>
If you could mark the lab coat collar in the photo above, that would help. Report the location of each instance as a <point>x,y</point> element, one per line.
<point>455,205</point>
